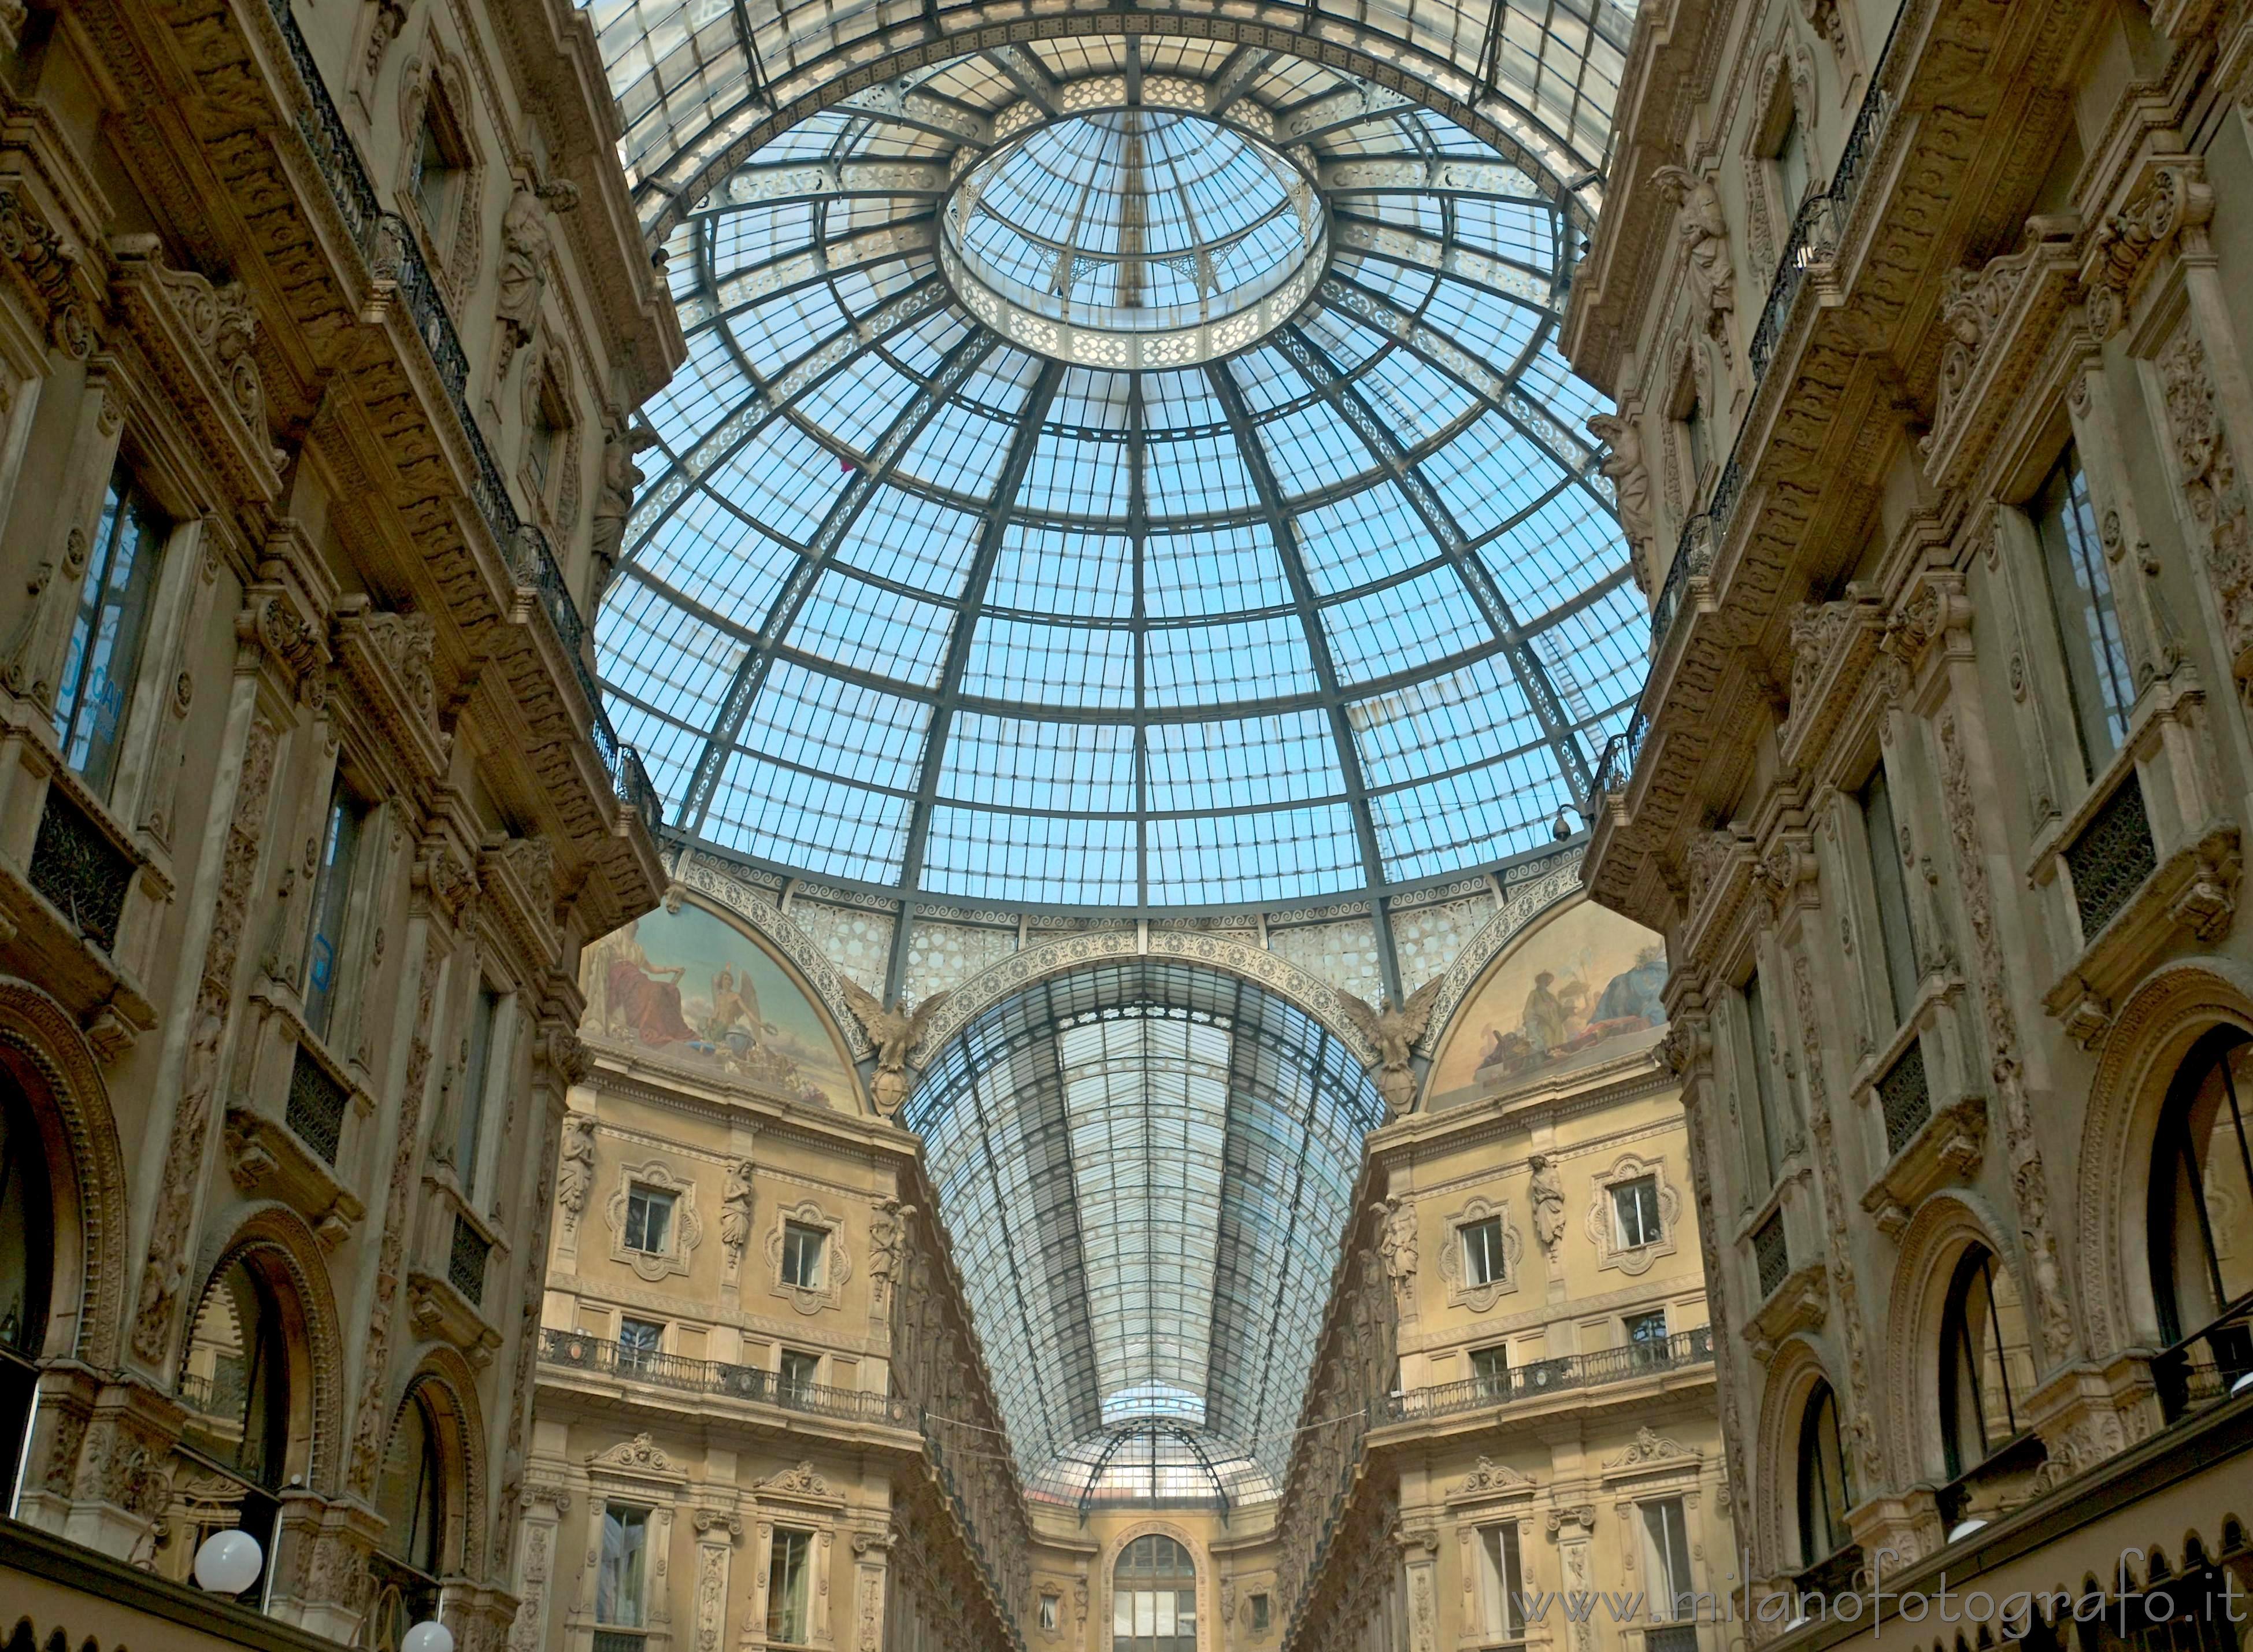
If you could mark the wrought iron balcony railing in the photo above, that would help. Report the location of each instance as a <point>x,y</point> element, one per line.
<point>392,256</point>
<point>1816,233</point>
<point>571,1350</point>
<point>1679,1352</point>
<point>1617,761</point>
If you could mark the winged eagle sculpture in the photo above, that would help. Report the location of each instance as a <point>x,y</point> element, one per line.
<point>894,1031</point>
<point>1394,1029</point>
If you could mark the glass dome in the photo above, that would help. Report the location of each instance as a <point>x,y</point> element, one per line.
<point>1122,473</point>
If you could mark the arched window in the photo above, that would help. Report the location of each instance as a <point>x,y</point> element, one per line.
<point>1825,1490</point>
<point>26,1268</point>
<point>411,1495</point>
<point>2201,1204</point>
<point>235,1385</point>
<point>1986,1365</point>
<point>1154,1597</point>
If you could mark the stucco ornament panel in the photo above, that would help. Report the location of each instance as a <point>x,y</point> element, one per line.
<point>2029,1183</point>
<point>1651,1447</point>
<point>1488,1478</point>
<point>836,1260</point>
<point>1602,1223</point>
<point>1317,998</point>
<point>1454,1267</point>
<point>685,1233</point>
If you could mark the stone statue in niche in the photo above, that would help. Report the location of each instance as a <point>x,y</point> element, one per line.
<point>1631,481</point>
<point>525,243</point>
<point>735,1212</point>
<point>1703,229</point>
<point>1547,1192</point>
<point>614,499</point>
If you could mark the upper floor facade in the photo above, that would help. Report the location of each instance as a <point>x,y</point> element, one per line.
<point>320,336</point>
<point>1936,785</point>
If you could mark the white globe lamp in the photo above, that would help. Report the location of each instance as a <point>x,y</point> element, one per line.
<point>428,1637</point>
<point>228,1561</point>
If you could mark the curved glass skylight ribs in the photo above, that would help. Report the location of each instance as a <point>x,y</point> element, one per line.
<point>918,597</point>
<point>1145,1168</point>
<point>698,84</point>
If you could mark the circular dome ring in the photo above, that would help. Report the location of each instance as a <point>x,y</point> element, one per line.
<point>1059,173</point>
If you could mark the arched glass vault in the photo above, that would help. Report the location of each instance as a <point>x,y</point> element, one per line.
<point>1032,525</point>
<point>1146,1169</point>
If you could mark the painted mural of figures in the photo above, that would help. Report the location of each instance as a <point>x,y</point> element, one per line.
<point>1574,982</point>
<point>1633,994</point>
<point>735,1008</point>
<point>641,1000</point>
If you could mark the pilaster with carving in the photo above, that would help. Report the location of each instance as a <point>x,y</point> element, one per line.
<point>32,664</point>
<point>718,1531</point>
<point>545,1502</point>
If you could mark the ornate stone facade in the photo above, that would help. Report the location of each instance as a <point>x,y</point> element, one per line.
<point>306,801</point>
<point>1938,777</point>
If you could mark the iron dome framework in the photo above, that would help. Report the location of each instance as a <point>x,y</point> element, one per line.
<point>922,598</point>
<point>1146,1168</point>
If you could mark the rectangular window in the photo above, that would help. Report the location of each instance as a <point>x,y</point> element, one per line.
<point>801,1255</point>
<point>543,442</point>
<point>639,1342</point>
<point>437,180</point>
<point>1701,443</point>
<point>2087,623</point>
<point>1636,1205</point>
<point>1482,1259</point>
<point>619,1582</point>
<point>1764,1146</point>
<point>1491,1369</point>
<point>787,1566</point>
<point>1888,877</point>
<point>798,1373</point>
<point>110,630</point>
<point>1049,1604</point>
<point>1790,156</point>
<point>1667,1544</point>
<point>484,1028</point>
<point>325,956</point>
<point>1262,1613</point>
<point>1645,1328</point>
<point>1501,1583</point>
<point>649,1219</point>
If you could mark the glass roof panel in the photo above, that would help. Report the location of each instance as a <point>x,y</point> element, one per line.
<point>1156,479</point>
<point>1144,1167</point>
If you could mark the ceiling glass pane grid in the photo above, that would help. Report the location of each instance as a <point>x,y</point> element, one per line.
<point>1131,599</point>
<point>689,76</point>
<point>1172,1150</point>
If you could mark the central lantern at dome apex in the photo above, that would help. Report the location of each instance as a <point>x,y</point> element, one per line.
<point>1133,237</point>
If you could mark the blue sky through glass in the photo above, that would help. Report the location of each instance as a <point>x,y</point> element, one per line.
<point>908,598</point>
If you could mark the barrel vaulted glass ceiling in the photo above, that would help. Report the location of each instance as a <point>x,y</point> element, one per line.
<point>1146,1168</point>
<point>1127,471</point>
